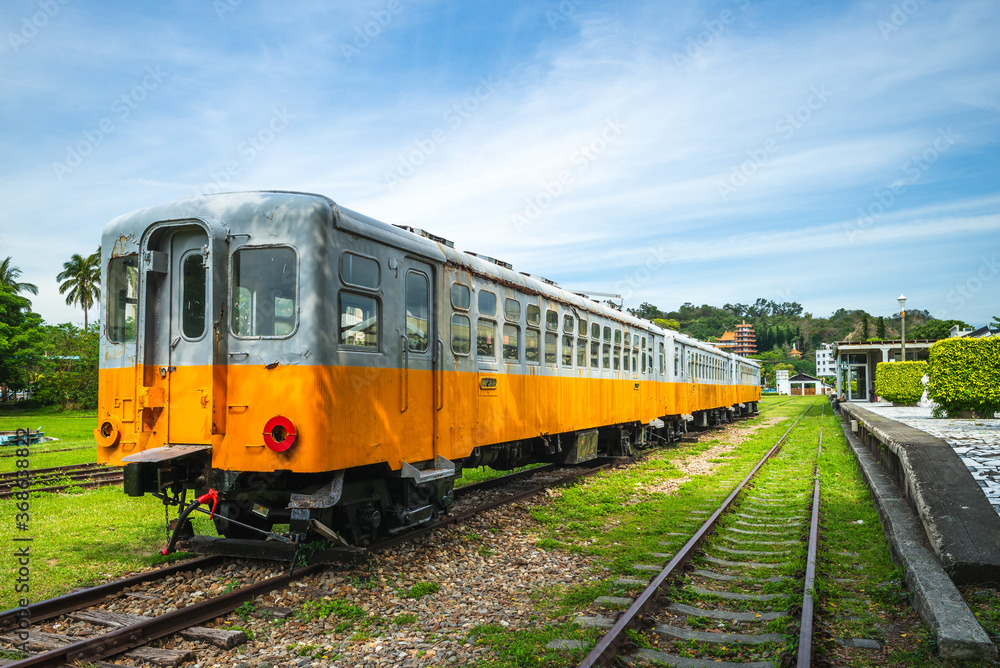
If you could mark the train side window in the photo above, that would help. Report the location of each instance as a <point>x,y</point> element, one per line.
<point>487,304</point>
<point>359,270</point>
<point>193,280</point>
<point>417,311</point>
<point>358,320</point>
<point>551,346</point>
<point>663,361</point>
<point>567,350</point>
<point>618,337</point>
<point>512,310</point>
<point>461,340</point>
<point>123,301</point>
<point>461,297</point>
<point>625,363</point>
<point>606,356</point>
<point>581,327</point>
<point>486,332</point>
<point>595,354</point>
<point>264,299</point>
<point>531,345</point>
<point>628,339</point>
<point>581,352</point>
<point>635,360</point>
<point>551,321</point>
<point>568,324</point>
<point>534,315</point>
<point>511,342</point>
<point>618,358</point>
<point>595,331</point>
<point>677,364</point>
<point>607,334</point>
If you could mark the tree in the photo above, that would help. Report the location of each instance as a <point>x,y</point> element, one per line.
<point>865,329</point>
<point>20,336</point>
<point>81,279</point>
<point>936,329</point>
<point>8,278</point>
<point>667,323</point>
<point>880,327</point>
<point>646,311</point>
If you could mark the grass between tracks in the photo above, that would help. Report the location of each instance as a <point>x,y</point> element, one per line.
<point>621,517</point>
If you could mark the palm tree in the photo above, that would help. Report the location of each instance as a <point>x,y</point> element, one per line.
<point>81,279</point>
<point>8,278</point>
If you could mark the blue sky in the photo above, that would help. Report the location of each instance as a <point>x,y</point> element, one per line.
<point>830,153</point>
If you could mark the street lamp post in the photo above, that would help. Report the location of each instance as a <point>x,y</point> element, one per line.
<point>902,314</point>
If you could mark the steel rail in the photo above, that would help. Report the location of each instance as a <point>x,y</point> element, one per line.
<point>461,517</point>
<point>804,657</point>
<point>141,633</point>
<point>606,650</point>
<point>53,607</point>
<point>88,466</point>
<point>500,481</point>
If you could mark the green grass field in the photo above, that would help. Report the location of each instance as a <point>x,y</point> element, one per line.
<point>74,431</point>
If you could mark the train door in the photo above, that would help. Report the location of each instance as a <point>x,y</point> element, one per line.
<point>188,374</point>
<point>418,341</point>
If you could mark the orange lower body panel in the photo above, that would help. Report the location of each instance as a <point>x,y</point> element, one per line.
<point>352,416</point>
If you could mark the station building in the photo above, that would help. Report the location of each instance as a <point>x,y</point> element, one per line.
<point>855,362</point>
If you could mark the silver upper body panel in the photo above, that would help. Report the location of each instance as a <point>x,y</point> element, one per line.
<point>320,231</point>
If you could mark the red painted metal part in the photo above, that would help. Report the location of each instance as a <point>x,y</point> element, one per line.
<point>285,424</point>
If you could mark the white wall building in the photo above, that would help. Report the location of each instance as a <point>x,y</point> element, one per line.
<point>825,364</point>
<point>781,382</point>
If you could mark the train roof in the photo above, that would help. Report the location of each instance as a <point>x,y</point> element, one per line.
<point>288,207</point>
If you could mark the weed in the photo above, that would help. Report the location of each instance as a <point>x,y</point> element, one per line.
<point>422,589</point>
<point>245,611</point>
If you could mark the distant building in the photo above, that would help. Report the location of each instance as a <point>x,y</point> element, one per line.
<point>795,353</point>
<point>781,383</point>
<point>746,342</point>
<point>802,384</point>
<point>980,333</point>
<point>726,342</point>
<point>825,365</point>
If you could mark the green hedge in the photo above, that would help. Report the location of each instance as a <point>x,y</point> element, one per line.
<point>899,382</point>
<point>965,375</point>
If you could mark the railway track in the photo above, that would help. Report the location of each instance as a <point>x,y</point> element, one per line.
<point>59,478</point>
<point>128,634</point>
<point>726,593</point>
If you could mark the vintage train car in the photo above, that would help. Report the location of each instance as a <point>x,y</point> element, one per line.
<point>321,369</point>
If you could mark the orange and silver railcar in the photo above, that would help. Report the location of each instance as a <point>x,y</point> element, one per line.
<point>319,368</point>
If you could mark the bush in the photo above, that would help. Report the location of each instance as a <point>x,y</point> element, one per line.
<point>900,382</point>
<point>965,375</point>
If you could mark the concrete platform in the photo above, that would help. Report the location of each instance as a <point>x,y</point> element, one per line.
<point>961,525</point>
<point>936,599</point>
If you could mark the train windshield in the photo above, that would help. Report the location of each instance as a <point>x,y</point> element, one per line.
<point>123,298</point>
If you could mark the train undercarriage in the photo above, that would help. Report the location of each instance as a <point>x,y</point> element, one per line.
<point>356,506</point>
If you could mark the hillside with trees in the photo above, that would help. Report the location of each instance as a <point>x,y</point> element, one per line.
<point>780,327</point>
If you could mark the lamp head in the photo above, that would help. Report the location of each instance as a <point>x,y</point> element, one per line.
<point>902,302</point>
